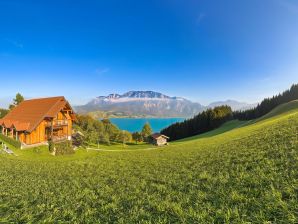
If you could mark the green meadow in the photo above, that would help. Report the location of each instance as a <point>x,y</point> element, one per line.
<point>243,172</point>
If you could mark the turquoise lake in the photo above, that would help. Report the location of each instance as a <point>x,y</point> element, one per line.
<point>136,124</point>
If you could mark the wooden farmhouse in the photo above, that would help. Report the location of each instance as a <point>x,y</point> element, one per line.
<point>158,139</point>
<point>37,121</point>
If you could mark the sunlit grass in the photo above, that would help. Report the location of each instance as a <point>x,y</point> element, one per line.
<point>236,174</point>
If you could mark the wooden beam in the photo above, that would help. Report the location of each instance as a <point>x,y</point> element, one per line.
<point>52,129</point>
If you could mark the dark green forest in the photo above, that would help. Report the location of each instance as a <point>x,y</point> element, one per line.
<point>3,112</point>
<point>268,104</point>
<point>201,123</point>
<point>213,118</point>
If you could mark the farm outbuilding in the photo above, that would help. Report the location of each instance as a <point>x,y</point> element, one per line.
<point>158,139</point>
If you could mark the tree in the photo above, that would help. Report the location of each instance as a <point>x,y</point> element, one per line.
<point>16,101</point>
<point>268,104</point>
<point>111,129</point>
<point>137,137</point>
<point>3,112</point>
<point>201,123</point>
<point>97,131</point>
<point>104,138</point>
<point>146,131</point>
<point>124,137</point>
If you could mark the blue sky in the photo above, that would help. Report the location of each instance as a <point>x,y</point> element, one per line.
<point>202,50</point>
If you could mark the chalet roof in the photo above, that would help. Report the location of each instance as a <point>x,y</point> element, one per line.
<point>158,135</point>
<point>28,114</point>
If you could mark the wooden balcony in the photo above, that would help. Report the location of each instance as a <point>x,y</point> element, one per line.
<point>57,123</point>
<point>60,138</point>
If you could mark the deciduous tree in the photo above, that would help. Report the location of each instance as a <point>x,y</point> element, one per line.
<point>146,131</point>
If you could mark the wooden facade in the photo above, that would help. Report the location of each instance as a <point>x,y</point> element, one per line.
<point>158,139</point>
<point>38,121</point>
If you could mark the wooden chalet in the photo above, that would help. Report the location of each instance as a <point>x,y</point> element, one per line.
<point>158,139</point>
<point>37,121</point>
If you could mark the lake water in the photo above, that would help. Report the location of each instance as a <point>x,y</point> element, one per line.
<point>136,124</point>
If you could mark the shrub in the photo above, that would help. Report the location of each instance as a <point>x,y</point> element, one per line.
<point>51,146</point>
<point>61,148</point>
<point>10,141</point>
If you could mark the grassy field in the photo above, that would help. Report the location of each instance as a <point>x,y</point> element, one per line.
<point>240,173</point>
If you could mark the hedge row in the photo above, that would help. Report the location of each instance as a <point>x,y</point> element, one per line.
<point>11,141</point>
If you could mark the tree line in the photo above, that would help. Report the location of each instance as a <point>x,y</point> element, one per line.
<point>268,104</point>
<point>104,132</point>
<point>3,112</point>
<point>201,123</point>
<point>213,118</point>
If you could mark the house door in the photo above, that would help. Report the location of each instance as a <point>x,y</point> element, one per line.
<point>48,134</point>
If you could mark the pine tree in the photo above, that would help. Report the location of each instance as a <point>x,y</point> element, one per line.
<point>268,104</point>
<point>201,123</point>
<point>16,101</point>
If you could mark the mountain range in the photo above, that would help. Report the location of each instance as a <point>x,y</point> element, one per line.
<point>149,104</point>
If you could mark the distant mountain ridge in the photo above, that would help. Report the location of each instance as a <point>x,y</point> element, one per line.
<point>147,104</point>
<point>235,105</point>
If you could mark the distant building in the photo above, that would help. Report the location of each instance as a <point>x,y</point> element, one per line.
<point>158,139</point>
<point>37,121</point>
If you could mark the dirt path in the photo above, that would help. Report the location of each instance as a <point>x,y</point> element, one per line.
<point>119,150</point>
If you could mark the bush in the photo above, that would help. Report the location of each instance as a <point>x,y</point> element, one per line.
<point>51,146</point>
<point>11,141</point>
<point>61,148</point>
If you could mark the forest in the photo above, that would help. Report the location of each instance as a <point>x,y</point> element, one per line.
<point>213,118</point>
<point>268,104</point>
<point>201,123</point>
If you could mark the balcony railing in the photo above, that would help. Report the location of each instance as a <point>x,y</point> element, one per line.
<point>57,123</point>
<point>59,138</point>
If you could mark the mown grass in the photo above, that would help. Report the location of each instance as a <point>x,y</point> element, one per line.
<point>247,174</point>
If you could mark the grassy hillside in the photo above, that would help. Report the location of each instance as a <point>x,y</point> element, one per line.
<point>281,110</point>
<point>237,174</point>
<point>228,126</point>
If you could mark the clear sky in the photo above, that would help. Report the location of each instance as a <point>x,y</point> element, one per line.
<point>202,50</point>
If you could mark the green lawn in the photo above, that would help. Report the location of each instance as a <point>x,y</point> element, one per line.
<point>240,173</point>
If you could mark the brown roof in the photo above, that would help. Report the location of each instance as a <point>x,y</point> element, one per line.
<point>28,114</point>
<point>158,135</point>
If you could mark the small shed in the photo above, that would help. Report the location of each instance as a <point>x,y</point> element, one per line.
<point>158,139</point>
<point>77,138</point>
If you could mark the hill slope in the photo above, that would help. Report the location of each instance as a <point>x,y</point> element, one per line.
<point>281,110</point>
<point>247,174</point>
